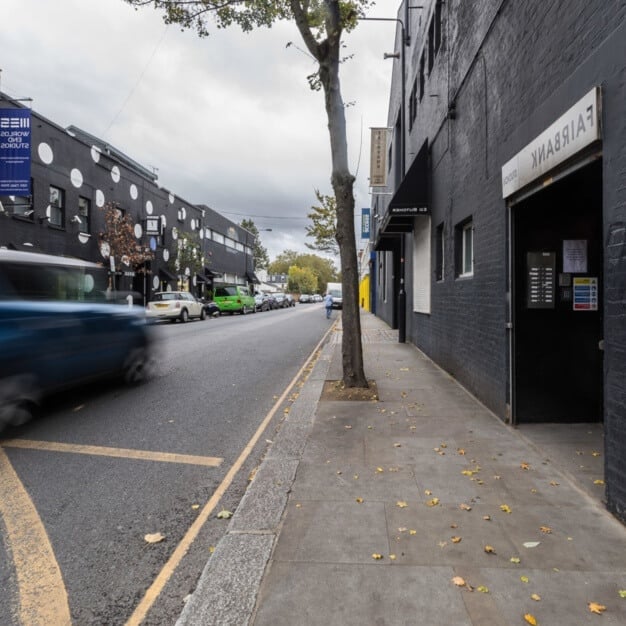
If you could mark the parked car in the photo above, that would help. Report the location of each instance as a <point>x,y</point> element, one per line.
<point>271,298</point>
<point>304,298</point>
<point>174,306</point>
<point>261,302</point>
<point>281,300</point>
<point>317,298</point>
<point>291,301</point>
<point>234,299</point>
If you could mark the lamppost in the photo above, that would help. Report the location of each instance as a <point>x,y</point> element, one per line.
<point>403,42</point>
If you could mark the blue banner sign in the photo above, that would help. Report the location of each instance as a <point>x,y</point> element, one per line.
<point>15,141</point>
<point>365,223</point>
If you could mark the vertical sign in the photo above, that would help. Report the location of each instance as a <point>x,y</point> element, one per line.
<point>378,157</point>
<point>365,223</point>
<point>15,152</point>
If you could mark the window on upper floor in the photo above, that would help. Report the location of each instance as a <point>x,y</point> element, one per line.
<point>422,76</point>
<point>464,244</point>
<point>440,260</point>
<point>84,206</point>
<point>57,206</point>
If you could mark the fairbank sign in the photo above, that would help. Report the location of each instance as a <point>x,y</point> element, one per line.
<point>573,131</point>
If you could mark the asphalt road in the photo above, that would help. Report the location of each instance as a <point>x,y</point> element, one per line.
<point>216,381</point>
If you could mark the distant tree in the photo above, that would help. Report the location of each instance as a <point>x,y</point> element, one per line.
<point>321,24</point>
<point>189,259</point>
<point>323,268</point>
<point>301,280</point>
<point>324,225</point>
<point>259,253</point>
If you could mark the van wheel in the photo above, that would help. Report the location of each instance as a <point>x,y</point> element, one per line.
<point>184,316</point>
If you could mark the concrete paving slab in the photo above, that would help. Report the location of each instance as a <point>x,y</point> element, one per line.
<point>312,594</point>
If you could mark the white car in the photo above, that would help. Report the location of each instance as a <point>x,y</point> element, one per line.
<point>175,305</point>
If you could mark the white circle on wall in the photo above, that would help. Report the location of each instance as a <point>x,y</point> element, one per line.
<point>174,233</point>
<point>163,221</point>
<point>166,254</point>
<point>182,213</point>
<point>155,282</point>
<point>45,153</point>
<point>99,198</point>
<point>95,153</point>
<point>149,208</point>
<point>115,174</point>
<point>171,198</point>
<point>192,224</point>
<point>105,249</point>
<point>187,272</point>
<point>138,231</point>
<point>76,177</point>
<point>83,237</point>
<point>133,191</point>
<point>201,233</point>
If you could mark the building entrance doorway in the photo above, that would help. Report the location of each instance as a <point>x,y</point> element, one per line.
<point>557,301</point>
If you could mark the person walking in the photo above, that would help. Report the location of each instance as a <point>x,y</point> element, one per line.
<point>328,303</point>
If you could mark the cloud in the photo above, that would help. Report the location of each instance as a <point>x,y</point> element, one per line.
<point>228,120</point>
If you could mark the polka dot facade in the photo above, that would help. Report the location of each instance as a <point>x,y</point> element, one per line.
<point>77,178</point>
<point>115,174</point>
<point>45,153</point>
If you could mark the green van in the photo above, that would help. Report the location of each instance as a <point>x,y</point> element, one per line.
<point>234,299</point>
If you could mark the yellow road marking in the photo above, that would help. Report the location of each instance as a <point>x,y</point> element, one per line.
<point>42,595</point>
<point>153,592</point>
<point>122,453</point>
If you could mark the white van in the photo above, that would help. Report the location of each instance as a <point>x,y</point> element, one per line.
<point>334,289</point>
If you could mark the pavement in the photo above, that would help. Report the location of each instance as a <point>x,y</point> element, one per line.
<point>420,508</point>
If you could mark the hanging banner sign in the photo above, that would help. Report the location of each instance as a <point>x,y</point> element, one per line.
<point>15,142</point>
<point>378,157</point>
<point>365,223</point>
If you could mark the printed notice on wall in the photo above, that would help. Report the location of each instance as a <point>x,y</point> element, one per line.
<point>585,293</point>
<point>575,256</point>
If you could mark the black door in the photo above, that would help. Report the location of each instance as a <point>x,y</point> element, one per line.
<point>558,256</point>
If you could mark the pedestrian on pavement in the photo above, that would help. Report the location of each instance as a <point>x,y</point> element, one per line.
<point>328,303</point>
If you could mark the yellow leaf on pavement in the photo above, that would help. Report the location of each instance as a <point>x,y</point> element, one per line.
<point>524,579</point>
<point>546,530</point>
<point>377,557</point>
<point>432,502</point>
<point>465,507</point>
<point>482,589</point>
<point>530,619</point>
<point>535,596</point>
<point>154,538</point>
<point>401,504</point>
<point>223,514</point>
<point>594,607</point>
<point>458,581</point>
<point>490,550</point>
<point>515,559</point>
<point>455,539</point>
<point>359,500</point>
<point>505,508</point>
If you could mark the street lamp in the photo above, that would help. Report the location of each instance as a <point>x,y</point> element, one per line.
<point>403,42</point>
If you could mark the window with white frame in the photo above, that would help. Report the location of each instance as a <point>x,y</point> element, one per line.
<point>464,242</point>
<point>440,248</point>
<point>421,264</point>
<point>83,214</point>
<point>57,206</point>
<point>218,237</point>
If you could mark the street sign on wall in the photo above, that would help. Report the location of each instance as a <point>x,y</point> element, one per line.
<point>15,144</point>
<point>378,157</point>
<point>365,223</point>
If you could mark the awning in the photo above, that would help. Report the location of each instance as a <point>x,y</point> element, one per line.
<point>200,278</point>
<point>167,275</point>
<point>209,273</point>
<point>252,278</point>
<point>387,243</point>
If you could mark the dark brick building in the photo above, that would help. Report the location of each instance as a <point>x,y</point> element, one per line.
<point>75,175</point>
<point>504,211</point>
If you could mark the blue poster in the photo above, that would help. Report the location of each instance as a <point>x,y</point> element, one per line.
<point>365,223</point>
<point>15,140</point>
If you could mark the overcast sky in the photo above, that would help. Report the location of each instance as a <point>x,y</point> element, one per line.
<point>228,121</point>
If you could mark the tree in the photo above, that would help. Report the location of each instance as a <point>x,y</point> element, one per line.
<point>322,268</point>
<point>301,280</point>
<point>259,253</point>
<point>324,227</point>
<point>119,241</point>
<point>189,256</point>
<point>321,24</point>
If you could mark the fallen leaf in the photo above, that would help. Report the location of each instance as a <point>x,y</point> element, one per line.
<point>412,532</point>
<point>524,465</point>
<point>487,518</point>
<point>380,470</point>
<point>432,502</point>
<point>622,593</point>
<point>223,514</point>
<point>536,597</point>
<point>402,529</point>
<point>356,477</point>
<point>195,506</point>
<point>598,482</point>
<point>505,508</point>
<point>489,550</point>
<point>397,445</point>
<point>524,579</point>
<point>401,504</point>
<point>515,559</point>
<point>554,483</point>
<point>442,544</point>
<point>428,492</point>
<point>211,549</point>
<point>443,445</point>
<point>482,589</point>
<point>377,557</point>
<point>458,581</point>
<point>455,539</point>
<point>460,451</point>
<point>154,538</point>
<point>530,619</point>
<point>468,472</point>
<point>546,530</point>
<point>531,544</point>
<point>594,607</point>
<point>348,427</point>
<point>392,557</point>
<point>454,525</point>
<point>359,500</point>
<point>465,507</point>
<point>595,453</point>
